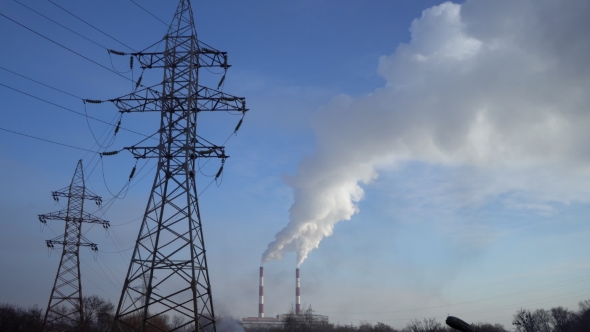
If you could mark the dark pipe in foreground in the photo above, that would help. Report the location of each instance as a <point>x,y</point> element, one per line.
<point>458,324</point>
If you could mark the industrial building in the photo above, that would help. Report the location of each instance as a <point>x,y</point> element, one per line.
<point>305,316</point>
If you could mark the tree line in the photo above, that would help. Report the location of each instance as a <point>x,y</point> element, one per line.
<point>99,316</point>
<point>557,319</point>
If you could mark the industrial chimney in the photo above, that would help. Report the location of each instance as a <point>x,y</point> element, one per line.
<point>297,293</point>
<point>261,294</point>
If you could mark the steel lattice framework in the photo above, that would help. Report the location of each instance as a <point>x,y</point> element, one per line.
<point>65,311</point>
<point>168,274</point>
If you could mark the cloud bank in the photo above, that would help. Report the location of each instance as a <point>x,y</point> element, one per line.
<point>503,86</point>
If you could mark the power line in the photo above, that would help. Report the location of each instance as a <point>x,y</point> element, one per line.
<point>95,285</point>
<point>96,273</point>
<point>92,26</point>
<point>547,286</point>
<point>45,85</point>
<point>528,302</point>
<point>145,10</point>
<point>108,278</point>
<point>517,278</point>
<point>127,222</point>
<point>109,203</point>
<point>492,284</point>
<point>61,25</point>
<point>46,140</point>
<point>537,301</point>
<point>71,110</point>
<point>69,49</point>
<point>117,252</point>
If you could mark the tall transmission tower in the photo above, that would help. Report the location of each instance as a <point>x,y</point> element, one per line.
<point>168,273</point>
<point>65,310</point>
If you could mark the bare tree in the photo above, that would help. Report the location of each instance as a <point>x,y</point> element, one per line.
<point>487,327</point>
<point>176,321</point>
<point>524,321</point>
<point>98,313</point>
<point>380,327</point>
<point>584,305</point>
<point>13,318</point>
<point>425,325</point>
<point>365,327</point>
<point>540,320</point>
<point>543,319</point>
<point>583,319</point>
<point>562,319</point>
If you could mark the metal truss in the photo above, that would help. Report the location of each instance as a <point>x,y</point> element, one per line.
<point>168,274</point>
<point>65,311</point>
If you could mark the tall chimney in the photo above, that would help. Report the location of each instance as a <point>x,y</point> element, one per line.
<point>297,293</point>
<point>261,294</point>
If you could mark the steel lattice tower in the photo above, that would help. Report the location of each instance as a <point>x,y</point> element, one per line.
<point>168,272</point>
<point>65,310</point>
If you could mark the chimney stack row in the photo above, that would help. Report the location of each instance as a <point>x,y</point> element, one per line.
<point>261,293</point>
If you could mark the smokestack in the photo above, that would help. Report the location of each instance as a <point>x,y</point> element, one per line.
<point>261,294</point>
<point>297,293</point>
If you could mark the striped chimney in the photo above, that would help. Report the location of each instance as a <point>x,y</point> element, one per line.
<point>297,293</point>
<point>261,294</point>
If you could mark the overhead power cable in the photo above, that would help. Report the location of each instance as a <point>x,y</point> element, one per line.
<point>147,11</point>
<point>45,85</point>
<point>96,274</point>
<point>61,25</point>
<point>525,291</point>
<point>67,48</point>
<point>71,110</point>
<point>116,252</point>
<point>92,26</point>
<point>520,304</point>
<point>500,308</point>
<point>46,140</point>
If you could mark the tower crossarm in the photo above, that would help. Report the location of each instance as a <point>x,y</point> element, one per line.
<point>67,194</point>
<point>208,100</point>
<point>205,56</point>
<point>60,240</point>
<point>195,152</point>
<point>63,215</point>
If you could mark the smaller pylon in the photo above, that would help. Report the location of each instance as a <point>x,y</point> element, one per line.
<point>65,311</point>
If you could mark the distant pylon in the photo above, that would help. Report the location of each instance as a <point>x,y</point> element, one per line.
<point>65,311</point>
<point>168,273</point>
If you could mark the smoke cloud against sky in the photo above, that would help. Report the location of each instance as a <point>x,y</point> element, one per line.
<point>501,86</point>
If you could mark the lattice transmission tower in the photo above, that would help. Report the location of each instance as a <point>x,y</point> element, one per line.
<point>168,274</point>
<point>65,311</point>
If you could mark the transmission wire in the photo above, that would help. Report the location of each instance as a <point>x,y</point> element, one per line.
<point>69,49</point>
<point>69,109</point>
<point>97,29</point>
<point>61,25</point>
<point>46,140</point>
<point>154,16</point>
<point>45,85</point>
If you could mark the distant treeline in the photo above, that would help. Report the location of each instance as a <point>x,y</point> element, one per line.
<point>556,319</point>
<point>99,315</point>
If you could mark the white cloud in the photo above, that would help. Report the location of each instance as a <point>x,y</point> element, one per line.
<point>500,86</point>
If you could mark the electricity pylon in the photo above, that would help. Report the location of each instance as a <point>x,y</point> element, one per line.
<point>168,274</point>
<point>65,311</point>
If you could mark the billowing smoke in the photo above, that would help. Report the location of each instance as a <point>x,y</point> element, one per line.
<point>501,86</point>
<point>228,324</point>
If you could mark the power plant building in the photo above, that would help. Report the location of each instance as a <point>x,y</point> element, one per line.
<point>305,316</point>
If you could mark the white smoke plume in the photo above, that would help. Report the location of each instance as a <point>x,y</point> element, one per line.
<point>503,86</point>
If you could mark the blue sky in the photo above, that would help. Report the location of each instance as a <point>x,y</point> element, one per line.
<point>441,145</point>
